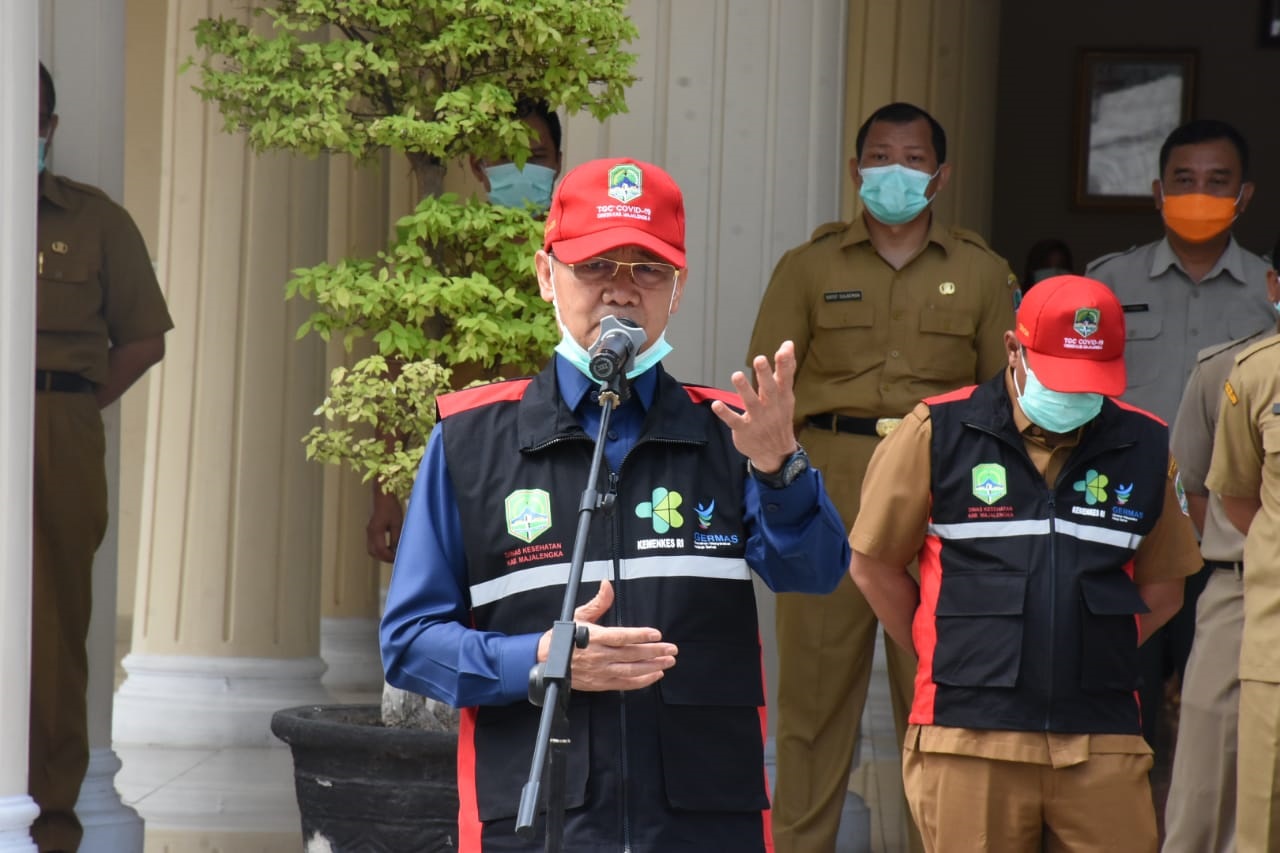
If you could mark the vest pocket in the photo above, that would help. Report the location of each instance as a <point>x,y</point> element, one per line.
<point>979,627</point>
<point>1109,631</point>
<point>710,729</point>
<point>504,739</point>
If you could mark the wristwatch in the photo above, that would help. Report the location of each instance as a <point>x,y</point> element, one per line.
<point>792,467</point>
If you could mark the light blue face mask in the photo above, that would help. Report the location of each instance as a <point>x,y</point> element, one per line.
<point>41,144</point>
<point>573,352</point>
<point>894,194</point>
<point>1056,411</point>
<point>510,186</point>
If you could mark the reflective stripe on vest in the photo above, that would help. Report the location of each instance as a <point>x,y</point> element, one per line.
<point>1036,527</point>
<point>555,574</point>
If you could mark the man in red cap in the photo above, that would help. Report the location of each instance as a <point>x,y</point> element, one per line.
<point>666,713</point>
<point>1053,539</point>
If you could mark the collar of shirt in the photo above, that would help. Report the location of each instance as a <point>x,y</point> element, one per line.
<point>626,422</point>
<point>52,190</point>
<point>1030,431</point>
<point>1229,262</point>
<point>858,233</point>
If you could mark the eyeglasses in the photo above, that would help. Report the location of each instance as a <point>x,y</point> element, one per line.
<point>644,273</point>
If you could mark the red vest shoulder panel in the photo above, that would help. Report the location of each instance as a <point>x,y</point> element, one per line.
<point>473,398</point>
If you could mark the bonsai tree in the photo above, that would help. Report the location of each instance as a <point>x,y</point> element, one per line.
<point>455,293</point>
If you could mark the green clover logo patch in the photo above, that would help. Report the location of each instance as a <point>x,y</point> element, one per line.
<point>663,509</point>
<point>1094,486</point>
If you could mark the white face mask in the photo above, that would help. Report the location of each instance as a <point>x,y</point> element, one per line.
<point>573,352</point>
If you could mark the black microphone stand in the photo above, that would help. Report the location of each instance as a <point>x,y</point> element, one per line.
<point>550,682</point>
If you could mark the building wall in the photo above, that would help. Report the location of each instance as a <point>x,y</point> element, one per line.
<point>1036,104</point>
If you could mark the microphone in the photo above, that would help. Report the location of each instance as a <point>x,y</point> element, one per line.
<point>615,350</point>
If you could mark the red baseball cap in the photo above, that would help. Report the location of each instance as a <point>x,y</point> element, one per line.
<point>1074,328</point>
<point>606,204</point>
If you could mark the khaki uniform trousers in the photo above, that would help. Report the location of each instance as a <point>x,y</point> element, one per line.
<point>1258,775</point>
<point>1200,813</point>
<point>825,649</point>
<point>963,804</point>
<point>69,521</point>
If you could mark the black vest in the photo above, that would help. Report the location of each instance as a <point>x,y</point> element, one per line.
<point>642,763</point>
<point>1028,617</point>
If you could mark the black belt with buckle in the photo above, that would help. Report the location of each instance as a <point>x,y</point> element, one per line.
<point>832,422</point>
<point>1228,566</point>
<point>62,381</point>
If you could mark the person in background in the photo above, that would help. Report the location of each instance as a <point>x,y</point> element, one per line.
<point>1047,258</point>
<point>100,325</point>
<point>884,310</point>
<point>505,185</point>
<point>1194,287</point>
<point>1200,811</point>
<point>1245,474</point>
<point>1048,524</point>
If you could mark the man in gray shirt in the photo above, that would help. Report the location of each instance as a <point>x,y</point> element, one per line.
<point>1193,288</point>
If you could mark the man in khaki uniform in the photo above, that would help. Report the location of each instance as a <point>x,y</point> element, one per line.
<point>1245,472</point>
<point>1045,517</point>
<point>884,310</point>
<point>100,323</point>
<point>1200,811</point>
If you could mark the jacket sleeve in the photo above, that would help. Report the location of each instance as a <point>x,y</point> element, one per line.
<point>796,541</point>
<point>427,644</point>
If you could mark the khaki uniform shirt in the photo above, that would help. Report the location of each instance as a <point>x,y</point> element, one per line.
<point>892,528</point>
<point>1169,318</point>
<point>96,287</point>
<point>1246,464</point>
<point>872,341</point>
<point>1191,441</point>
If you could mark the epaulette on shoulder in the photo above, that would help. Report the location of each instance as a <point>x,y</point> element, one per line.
<point>1097,262</point>
<point>950,396</point>
<point>1217,349</point>
<point>705,393</point>
<point>826,230</point>
<point>1262,345</point>
<point>505,391</point>
<point>973,238</point>
<point>87,189</point>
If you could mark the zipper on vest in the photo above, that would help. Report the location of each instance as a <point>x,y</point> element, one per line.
<point>615,535</point>
<point>1053,604</point>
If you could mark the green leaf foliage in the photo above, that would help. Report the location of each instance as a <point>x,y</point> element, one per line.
<point>454,298</point>
<point>438,78</point>
<point>457,287</point>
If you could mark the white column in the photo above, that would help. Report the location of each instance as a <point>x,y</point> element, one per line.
<point>18,106</point>
<point>226,617</point>
<point>358,214</point>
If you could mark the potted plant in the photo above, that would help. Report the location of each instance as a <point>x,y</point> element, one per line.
<point>454,296</point>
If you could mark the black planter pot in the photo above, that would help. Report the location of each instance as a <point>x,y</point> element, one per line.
<point>367,788</point>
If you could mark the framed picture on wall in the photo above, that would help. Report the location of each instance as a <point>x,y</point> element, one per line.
<point>1127,103</point>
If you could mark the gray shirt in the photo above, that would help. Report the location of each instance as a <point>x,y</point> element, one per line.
<point>1169,318</point>
<point>1192,443</point>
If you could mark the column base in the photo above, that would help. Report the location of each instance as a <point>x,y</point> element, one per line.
<point>350,648</point>
<point>211,702</point>
<point>16,816</point>
<point>108,823</point>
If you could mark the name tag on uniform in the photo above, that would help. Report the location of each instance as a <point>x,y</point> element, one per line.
<point>842,296</point>
<point>1136,307</point>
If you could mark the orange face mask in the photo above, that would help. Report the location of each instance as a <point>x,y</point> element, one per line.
<point>1196,217</point>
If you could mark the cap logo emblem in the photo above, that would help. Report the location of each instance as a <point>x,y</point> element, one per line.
<point>626,182</point>
<point>1086,322</point>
